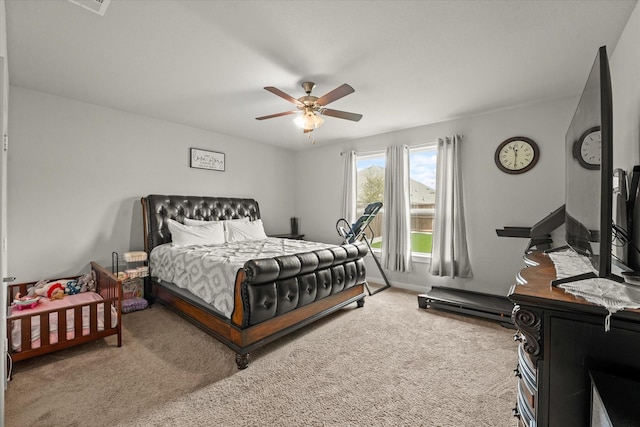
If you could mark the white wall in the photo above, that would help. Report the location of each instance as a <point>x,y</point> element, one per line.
<point>493,199</point>
<point>625,72</point>
<point>77,172</point>
<point>625,75</point>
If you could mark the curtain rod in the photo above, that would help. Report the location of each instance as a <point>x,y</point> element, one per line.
<point>459,135</point>
<point>364,153</point>
<point>422,145</point>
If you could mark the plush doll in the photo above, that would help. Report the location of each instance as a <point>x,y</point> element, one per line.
<point>55,291</point>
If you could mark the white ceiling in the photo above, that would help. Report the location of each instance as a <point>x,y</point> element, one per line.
<point>205,63</point>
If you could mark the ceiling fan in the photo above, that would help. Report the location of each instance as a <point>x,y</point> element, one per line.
<point>310,107</point>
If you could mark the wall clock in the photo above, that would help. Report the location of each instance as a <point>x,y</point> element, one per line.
<point>517,155</point>
<point>588,148</point>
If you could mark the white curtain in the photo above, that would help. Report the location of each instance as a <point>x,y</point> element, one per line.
<point>349,192</point>
<point>396,239</point>
<point>449,255</point>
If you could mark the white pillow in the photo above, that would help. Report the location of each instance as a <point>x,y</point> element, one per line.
<point>240,231</point>
<point>198,222</point>
<point>185,235</point>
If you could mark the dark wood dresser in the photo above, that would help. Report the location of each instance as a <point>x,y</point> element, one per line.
<point>561,339</point>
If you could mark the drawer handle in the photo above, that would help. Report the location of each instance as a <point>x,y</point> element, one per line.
<point>517,373</point>
<point>515,411</point>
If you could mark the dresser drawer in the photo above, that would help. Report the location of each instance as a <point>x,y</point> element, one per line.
<point>526,396</point>
<point>528,373</point>
<point>527,364</point>
<point>527,414</point>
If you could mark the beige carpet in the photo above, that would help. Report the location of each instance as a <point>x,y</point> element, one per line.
<point>387,364</point>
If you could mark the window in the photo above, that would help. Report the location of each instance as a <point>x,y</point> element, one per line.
<point>370,188</point>
<point>422,185</point>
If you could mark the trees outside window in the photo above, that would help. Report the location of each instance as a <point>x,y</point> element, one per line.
<point>370,188</point>
<point>422,183</point>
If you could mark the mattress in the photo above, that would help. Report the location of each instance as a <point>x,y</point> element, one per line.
<point>45,305</point>
<point>209,272</point>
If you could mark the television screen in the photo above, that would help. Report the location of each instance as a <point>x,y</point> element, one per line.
<point>589,170</point>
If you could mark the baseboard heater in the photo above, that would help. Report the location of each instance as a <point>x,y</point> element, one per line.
<point>477,304</point>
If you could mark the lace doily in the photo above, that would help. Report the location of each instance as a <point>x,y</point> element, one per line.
<point>606,293</point>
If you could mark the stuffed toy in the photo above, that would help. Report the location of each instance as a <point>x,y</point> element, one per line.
<point>72,287</point>
<point>87,282</point>
<point>83,283</point>
<point>53,290</point>
<point>36,290</point>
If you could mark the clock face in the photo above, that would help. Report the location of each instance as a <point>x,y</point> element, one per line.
<point>588,149</point>
<point>516,155</point>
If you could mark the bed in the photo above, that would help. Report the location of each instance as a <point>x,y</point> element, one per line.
<point>53,325</point>
<point>269,296</point>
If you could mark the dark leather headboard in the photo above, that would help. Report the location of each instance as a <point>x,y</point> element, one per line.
<point>157,209</point>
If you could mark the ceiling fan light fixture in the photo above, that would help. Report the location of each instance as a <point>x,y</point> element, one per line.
<point>308,120</point>
<point>311,108</point>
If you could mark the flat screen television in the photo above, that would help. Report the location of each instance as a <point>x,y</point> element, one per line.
<point>589,173</point>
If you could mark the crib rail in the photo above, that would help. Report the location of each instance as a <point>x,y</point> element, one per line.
<point>107,286</point>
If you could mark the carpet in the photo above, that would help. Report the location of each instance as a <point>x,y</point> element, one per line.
<point>386,364</point>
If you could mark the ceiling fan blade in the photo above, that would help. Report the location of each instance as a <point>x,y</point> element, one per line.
<point>335,94</point>
<point>341,114</point>
<point>271,116</point>
<point>307,130</point>
<point>281,94</point>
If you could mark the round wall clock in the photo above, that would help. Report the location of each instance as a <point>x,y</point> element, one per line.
<point>588,148</point>
<point>517,155</point>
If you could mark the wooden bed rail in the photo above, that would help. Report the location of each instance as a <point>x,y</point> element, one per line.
<point>237,316</point>
<point>110,288</point>
<point>107,286</point>
<point>25,318</point>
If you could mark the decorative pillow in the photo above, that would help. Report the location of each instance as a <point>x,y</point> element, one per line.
<point>240,231</point>
<point>185,235</point>
<point>198,222</point>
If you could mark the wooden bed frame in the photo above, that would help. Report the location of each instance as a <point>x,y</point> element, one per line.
<point>321,282</point>
<point>108,286</point>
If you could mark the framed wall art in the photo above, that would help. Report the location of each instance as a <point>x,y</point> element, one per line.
<point>205,159</point>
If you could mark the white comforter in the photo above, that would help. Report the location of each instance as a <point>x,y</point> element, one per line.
<point>209,272</point>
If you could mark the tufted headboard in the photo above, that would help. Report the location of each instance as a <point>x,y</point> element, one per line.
<point>157,209</point>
